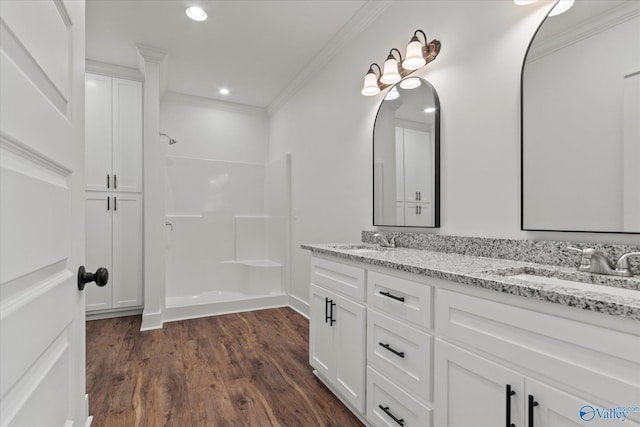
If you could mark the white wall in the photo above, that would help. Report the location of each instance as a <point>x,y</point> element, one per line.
<point>327,127</point>
<point>208,129</point>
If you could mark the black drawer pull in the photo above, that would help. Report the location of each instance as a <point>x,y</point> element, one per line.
<point>509,393</point>
<point>394,351</point>
<point>393,417</point>
<point>389,295</point>
<point>532,404</point>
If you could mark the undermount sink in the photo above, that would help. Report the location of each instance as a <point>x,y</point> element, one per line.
<point>611,290</point>
<point>359,248</point>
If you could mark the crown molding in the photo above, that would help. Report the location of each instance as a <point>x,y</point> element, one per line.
<point>215,104</point>
<point>358,23</point>
<point>582,30</point>
<point>154,55</point>
<point>113,70</point>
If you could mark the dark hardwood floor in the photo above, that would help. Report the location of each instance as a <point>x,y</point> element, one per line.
<point>245,369</point>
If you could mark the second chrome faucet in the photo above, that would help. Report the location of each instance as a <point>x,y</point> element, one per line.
<point>593,261</point>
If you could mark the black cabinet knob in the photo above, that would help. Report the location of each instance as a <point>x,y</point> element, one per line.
<point>101,277</point>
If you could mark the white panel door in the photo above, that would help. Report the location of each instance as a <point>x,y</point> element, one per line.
<point>127,250</point>
<point>99,247</point>
<point>42,368</point>
<point>350,332</point>
<point>321,342</point>
<point>556,408</point>
<point>418,166</point>
<point>98,126</point>
<point>127,135</point>
<point>471,390</point>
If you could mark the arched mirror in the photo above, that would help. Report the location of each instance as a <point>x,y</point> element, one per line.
<point>581,121</point>
<point>406,157</point>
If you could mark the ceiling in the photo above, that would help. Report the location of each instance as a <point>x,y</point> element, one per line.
<point>255,48</point>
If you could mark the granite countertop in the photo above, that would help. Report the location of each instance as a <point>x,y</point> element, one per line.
<point>616,296</point>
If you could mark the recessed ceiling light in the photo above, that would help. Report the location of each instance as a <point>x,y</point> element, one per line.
<point>196,13</point>
<point>224,91</point>
<point>430,110</point>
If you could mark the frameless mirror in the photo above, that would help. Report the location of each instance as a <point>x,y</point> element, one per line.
<point>406,156</point>
<point>581,121</point>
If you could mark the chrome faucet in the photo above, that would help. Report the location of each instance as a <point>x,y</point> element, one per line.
<point>622,266</point>
<point>593,261</point>
<point>390,243</point>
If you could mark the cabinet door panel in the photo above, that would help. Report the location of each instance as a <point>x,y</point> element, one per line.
<point>127,135</point>
<point>559,409</point>
<point>98,132</point>
<point>418,166</point>
<point>350,332</point>
<point>321,346</point>
<point>127,250</point>
<point>98,249</point>
<point>472,390</point>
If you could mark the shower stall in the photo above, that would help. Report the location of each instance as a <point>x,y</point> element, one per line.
<point>228,235</point>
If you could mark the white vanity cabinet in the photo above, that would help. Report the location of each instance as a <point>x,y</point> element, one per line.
<point>445,354</point>
<point>531,367</point>
<point>336,328</point>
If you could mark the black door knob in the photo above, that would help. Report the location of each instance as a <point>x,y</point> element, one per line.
<point>101,277</point>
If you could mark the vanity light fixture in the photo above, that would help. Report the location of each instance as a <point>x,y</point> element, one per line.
<point>410,83</point>
<point>392,94</point>
<point>196,13</point>
<point>395,68</point>
<point>560,7</point>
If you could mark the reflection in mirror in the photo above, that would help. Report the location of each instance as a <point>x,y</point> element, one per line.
<point>581,121</point>
<point>406,156</point>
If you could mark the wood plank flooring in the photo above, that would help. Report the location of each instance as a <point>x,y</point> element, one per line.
<point>245,369</point>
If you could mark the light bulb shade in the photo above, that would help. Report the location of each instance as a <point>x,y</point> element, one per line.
<point>196,13</point>
<point>561,7</point>
<point>410,83</point>
<point>414,59</point>
<point>370,87</point>
<point>524,2</point>
<point>391,73</point>
<point>392,94</point>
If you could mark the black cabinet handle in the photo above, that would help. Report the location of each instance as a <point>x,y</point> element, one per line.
<point>392,350</point>
<point>532,404</point>
<point>331,319</point>
<point>326,310</point>
<point>389,295</point>
<point>115,181</point>
<point>399,421</point>
<point>107,180</point>
<point>108,203</point>
<point>101,277</point>
<point>508,395</point>
<point>115,203</point>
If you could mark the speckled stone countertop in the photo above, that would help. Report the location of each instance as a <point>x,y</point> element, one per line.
<point>496,274</point>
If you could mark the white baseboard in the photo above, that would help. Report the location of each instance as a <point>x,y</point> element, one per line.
<point>151,321</point>
<point>113,313</point>
<point>172,314</point>
<point>302,307</point>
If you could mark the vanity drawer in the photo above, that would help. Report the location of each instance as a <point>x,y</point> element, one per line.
<point>401,352</point>
<point>410,301</point>
<point>344,279</point>
<point>398,404</point>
